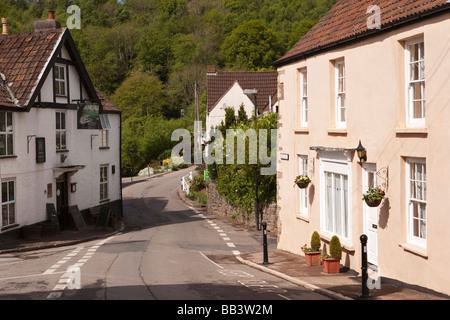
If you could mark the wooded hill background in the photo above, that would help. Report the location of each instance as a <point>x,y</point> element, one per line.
<point>146,55</point>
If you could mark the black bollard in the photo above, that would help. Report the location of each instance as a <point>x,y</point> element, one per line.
<point>364,288</point>
<point>266,256</point>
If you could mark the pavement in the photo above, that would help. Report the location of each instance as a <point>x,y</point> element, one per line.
<point>345,285</point>
<point>64,238</point>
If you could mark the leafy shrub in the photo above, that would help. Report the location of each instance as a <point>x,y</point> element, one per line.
<point>198,183</point>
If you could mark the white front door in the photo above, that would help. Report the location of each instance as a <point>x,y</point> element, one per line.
<point>370,215</point>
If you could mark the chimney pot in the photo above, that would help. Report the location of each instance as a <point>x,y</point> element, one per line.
<point>211,69</point>
<point>47,25</point>
<point>5,22</point>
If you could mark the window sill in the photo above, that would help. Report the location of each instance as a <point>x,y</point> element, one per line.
<point>301,130</point>
<point>8,157</point>
<point>345,245</point>
<point>62,150</point>
<point>337,131</point>
<point>10,227</point>
<point>104,201</point>
<point>303,217</point>
<point>414,249</point>
<point>104,148</point>
<point>421,131</point>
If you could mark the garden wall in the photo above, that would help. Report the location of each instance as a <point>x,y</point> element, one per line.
<point>217,205</point>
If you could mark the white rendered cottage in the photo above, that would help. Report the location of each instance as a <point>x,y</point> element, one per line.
<point>59,137</point>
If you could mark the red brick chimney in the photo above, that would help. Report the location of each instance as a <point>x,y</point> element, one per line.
<point>47,25</point>
<point>211,69</point>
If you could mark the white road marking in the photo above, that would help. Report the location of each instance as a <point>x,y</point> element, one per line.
<point>218,265</point>
<point>53,268</point>
<point>67,277</point>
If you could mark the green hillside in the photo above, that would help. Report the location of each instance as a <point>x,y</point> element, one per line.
<point>146,55</point>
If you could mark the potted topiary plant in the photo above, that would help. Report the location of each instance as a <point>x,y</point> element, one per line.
<point>332,261</point>
<point>312,254</point>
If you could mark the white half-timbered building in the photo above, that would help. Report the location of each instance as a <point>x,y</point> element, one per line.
<point>59,136</point>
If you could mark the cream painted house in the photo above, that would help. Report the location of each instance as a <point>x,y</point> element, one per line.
<point>379,75</point>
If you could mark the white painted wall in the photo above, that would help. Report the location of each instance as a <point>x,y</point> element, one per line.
<point>234,97</point>
<point>31,178</point>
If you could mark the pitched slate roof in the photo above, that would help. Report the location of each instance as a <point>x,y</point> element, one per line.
<point>347,21</point>
<point>22,60</point>
<point>219,82</point>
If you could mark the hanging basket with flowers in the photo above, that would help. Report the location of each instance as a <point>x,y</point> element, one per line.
<point>302,181</point>
<point>374,196</point>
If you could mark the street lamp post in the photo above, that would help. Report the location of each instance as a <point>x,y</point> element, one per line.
<point>253,93</point>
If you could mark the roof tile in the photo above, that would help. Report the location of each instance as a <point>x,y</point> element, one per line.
<point>347,19</point>
<point>219,82</point>
<point>19,60</point>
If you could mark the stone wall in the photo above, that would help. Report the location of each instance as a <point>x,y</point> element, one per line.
<point>218,206</point>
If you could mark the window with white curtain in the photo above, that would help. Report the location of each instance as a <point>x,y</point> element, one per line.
<point>417,201</point>
<point>341,108</point>
<point>335,199</point>
<point>415,69</point>
<point>304,98</point>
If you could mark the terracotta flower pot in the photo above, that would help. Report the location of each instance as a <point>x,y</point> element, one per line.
<point>331,265</point>
<point>373,203</point>
<point>312,258</point>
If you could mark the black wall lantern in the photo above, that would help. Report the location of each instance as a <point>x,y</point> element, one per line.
<point>361,151</point>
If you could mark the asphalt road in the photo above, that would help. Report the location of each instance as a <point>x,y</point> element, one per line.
<point>168,251</point>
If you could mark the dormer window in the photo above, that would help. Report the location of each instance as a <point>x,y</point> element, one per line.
<point>60,80</point>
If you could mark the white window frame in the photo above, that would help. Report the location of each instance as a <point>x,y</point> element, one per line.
<point>330,226</point>
<point>412,121</point>
<point>303,193</point>
<point>7,132</point>
<point>416,236</point>
<point>60,82</point>
<point>104,182</point>
<point>103,138</point>
<point>61,131</point>
<point>8,204</point>
<point>340,89</point>
<point>304,98</point>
